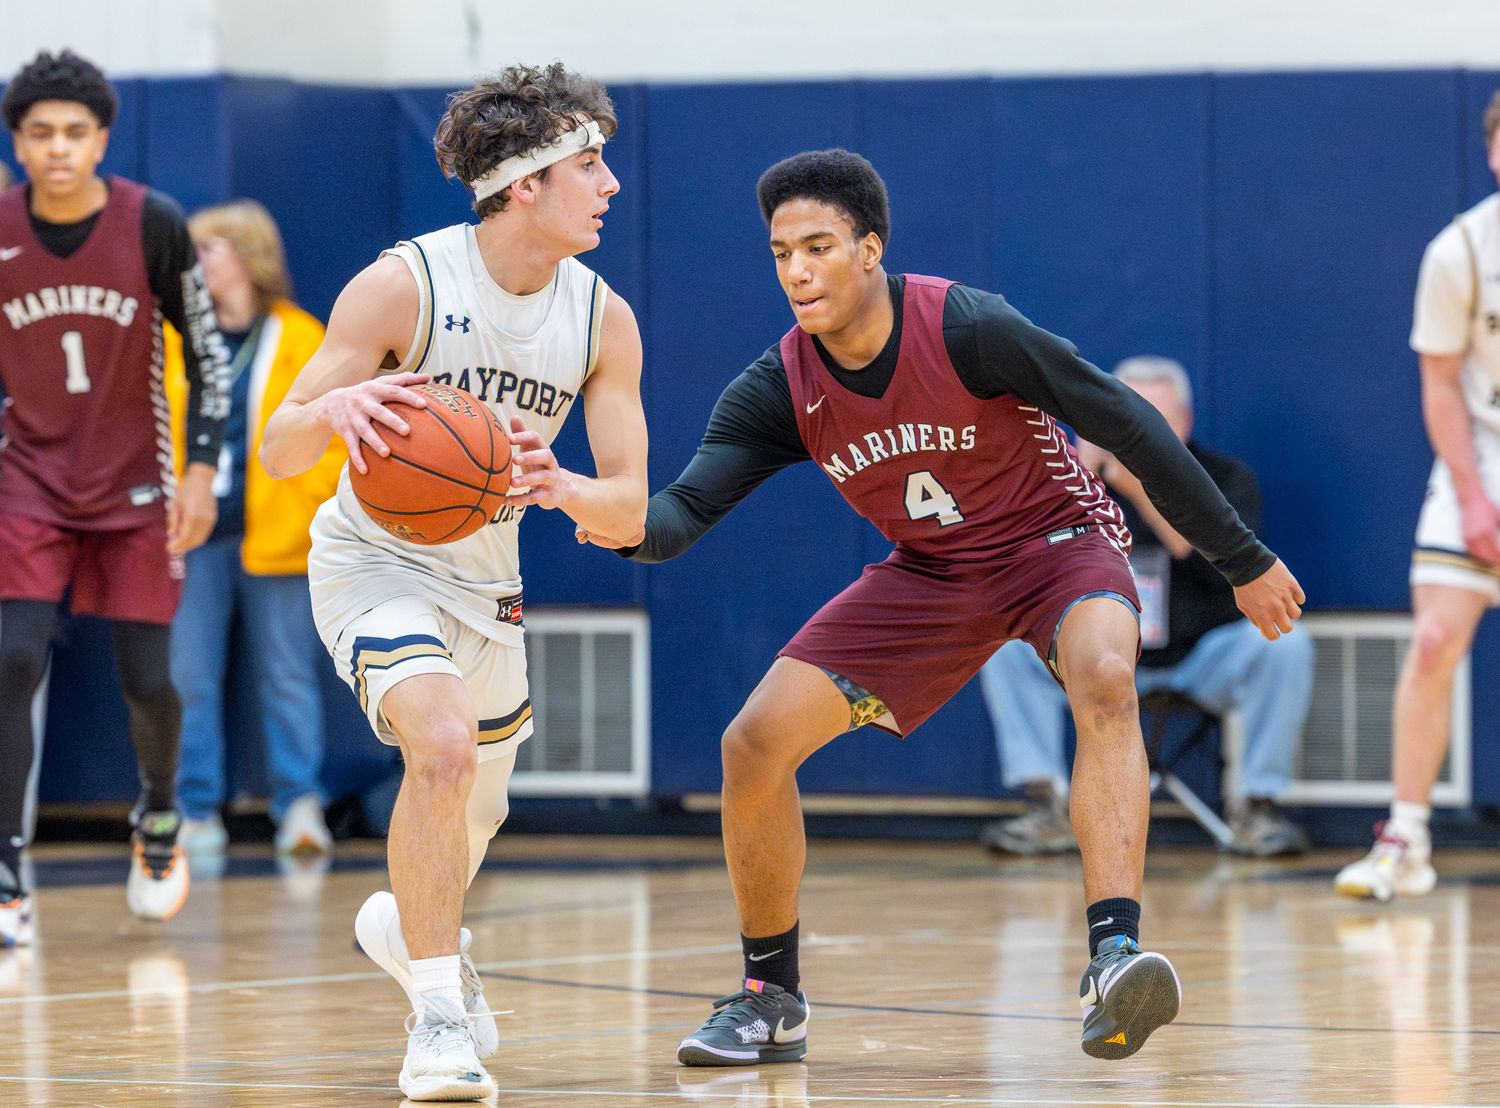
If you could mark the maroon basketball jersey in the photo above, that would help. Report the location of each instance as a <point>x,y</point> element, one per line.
<point>87,432</point>
<point>938,470</point>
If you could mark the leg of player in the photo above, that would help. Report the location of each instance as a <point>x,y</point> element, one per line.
<point>1126,993</point>
<point>1400,863</point>
<point>26,628</point>
<point>378,925</point>
<point>793,711</point>
<point>435,722</point>
<point>158,882</point>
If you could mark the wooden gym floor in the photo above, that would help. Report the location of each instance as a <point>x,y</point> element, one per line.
<point>937,975</point>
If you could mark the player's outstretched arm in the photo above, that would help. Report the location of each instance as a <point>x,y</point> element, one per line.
<point>1272,601</point>
<point>1451,431</point>
<point>612,504</point>
<point>372,326</point>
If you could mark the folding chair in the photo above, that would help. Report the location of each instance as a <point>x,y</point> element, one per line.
<point>1161,706</point>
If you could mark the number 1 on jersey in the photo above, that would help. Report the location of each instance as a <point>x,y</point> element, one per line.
<point>78,370</point>
<point>926,497</point>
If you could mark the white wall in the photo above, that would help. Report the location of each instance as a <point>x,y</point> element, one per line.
<point>448,41</point>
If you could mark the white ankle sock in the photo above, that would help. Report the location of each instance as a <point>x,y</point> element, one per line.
<point>437,975</point>
<point>1410,821</point>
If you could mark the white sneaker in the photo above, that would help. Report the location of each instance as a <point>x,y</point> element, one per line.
<point>18,921</point>
<point>302,830</point>
<point>378,929</point>
<point>1394,867</point>
<point>158,881</point>
<point>204,836</point>
<point>440,1060</point>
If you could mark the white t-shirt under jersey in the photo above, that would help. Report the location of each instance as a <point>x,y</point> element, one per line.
<point>521,355</point>
<point>1450,318</point>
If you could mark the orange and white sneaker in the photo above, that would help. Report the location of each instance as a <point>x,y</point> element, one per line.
<point>18,920</point>
<point>1394,867</point>
<point>158,881</point>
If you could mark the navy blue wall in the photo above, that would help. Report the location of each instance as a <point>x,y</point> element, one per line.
<point>1265,229</point>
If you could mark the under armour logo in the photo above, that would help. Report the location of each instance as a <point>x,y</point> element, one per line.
<point>452,323</point>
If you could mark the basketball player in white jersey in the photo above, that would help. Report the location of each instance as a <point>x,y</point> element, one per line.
<point>1455,566</point>
<point>429,637</point>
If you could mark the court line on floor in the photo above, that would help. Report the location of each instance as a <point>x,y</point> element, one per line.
<point>370,975</point>
<point>950,1010</point>
<point>773,1089</point>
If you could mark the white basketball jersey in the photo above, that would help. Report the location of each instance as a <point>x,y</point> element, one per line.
<point>1458,305</point>
<point>461,340</point>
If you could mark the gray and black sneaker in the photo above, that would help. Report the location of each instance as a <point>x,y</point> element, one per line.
<point>1126,993</point>
<point>760,1023</point>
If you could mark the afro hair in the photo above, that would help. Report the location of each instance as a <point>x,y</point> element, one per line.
<point>835,177</point>
<point>64,77</point>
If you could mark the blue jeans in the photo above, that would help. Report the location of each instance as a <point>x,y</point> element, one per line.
<point>284,652</point>
<point>1232,666</point>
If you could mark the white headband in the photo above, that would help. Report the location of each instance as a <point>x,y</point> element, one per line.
<point>511,170</point>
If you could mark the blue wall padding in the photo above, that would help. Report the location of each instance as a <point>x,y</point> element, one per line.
<point>1263,228</point>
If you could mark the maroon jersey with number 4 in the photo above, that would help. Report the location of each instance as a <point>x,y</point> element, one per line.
<point>940,471</point>
<point>87,433</point>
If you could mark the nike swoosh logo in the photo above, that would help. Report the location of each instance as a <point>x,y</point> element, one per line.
<point>7,254</point>
<point>1101,923</point>
<point>1090,997</point>
<point>811,408</point>
<point>761,957</point>
<point>782,1035</point>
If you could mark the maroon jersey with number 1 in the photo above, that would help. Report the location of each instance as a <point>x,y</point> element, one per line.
<point>940,471</point>
<point>87,435</point>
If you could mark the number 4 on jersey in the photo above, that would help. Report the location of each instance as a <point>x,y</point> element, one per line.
<point>926,497</point>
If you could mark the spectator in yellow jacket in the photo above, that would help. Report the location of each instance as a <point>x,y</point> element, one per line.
<point>255,562</point>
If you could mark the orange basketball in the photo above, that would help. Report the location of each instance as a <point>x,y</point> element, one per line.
<point>446,478</point>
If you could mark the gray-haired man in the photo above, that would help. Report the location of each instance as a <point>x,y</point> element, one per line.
<point>1193,641</point>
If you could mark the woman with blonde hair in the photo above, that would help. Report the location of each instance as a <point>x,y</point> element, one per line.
<point>255,562</point>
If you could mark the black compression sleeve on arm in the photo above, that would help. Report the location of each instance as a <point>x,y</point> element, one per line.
<point>172,267</point>
<point>751,435</point>
<point>996,350</point>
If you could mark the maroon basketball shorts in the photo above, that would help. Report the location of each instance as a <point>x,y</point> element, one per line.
<point>125,575</point>
<point>913,630</point>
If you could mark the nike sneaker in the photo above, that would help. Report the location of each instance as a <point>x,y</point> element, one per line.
<point>440,1060</point>
<point>1394,867</point>
<point>378,929</point>
<point>17,920</point>
<point>1126,993</point>
<point>17,910</point>
<point>158,881</point>
<point>760,1023</point>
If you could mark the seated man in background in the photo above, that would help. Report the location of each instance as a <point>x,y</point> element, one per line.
<point>1195,642</point>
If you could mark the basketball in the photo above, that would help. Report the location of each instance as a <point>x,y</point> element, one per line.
<point>445,479</point>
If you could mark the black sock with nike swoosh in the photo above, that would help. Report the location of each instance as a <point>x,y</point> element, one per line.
<point>773,959</point>
<point>1116,916</point>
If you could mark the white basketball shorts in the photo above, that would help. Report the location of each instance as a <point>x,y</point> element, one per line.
<point>408,635</point>
<point>1439,556</point>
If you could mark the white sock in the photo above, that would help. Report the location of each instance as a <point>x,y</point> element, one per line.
<point>439,976</point>
<point>1410,821</point>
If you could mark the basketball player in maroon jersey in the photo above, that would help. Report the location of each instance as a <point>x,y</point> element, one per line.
<point>934,408</point>
<point>89,267</point>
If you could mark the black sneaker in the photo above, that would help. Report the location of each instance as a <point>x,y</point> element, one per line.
<point>760,1023</point>
<point>1126,993</point>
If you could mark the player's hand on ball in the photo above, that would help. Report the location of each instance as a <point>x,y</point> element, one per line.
<point>1481,529</point>
<point>541,481</point>
<point>192,513</point>
<point>608,543</point>
<point>353,412</point>
<point>1272,601</point>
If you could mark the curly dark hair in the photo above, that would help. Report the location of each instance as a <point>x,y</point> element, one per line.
<point>64,77</point>
<point>835,177</point>
<point>516,110</point>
